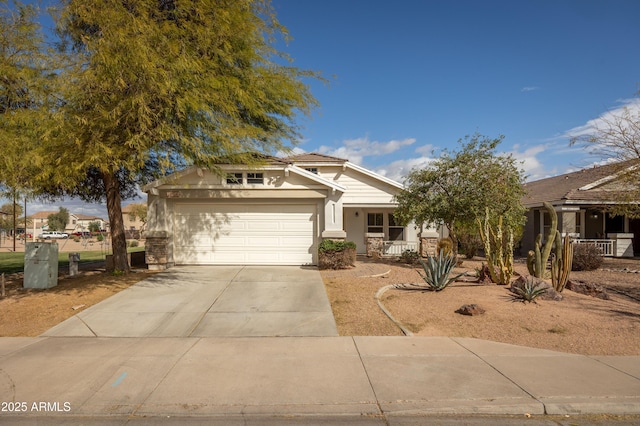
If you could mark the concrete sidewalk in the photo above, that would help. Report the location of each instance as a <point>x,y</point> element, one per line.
<point>307,376</point>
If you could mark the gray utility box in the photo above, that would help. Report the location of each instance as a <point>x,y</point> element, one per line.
<point>40,265</point>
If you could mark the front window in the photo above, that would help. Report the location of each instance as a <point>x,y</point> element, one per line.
<point>255,178</point>
<point>234,178</point>
<point>396,231</point>
<point>375,223</point>
<point>312,170</point>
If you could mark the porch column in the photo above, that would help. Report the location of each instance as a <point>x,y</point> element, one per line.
<point>375,244</point>
<point>157,236</point>
<point>333,217</point>
<point>622,244</point>
<point>428,243</point>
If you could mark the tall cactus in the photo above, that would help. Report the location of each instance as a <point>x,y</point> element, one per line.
<point>537,259</point>
<point>499,257</point>
<point>561,262</point>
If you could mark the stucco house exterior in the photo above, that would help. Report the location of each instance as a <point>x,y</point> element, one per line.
<point>581,200</point>
<point>276,214</point>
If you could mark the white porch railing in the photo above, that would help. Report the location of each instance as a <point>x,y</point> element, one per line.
<point>395,248</point>
<point>605,246</point>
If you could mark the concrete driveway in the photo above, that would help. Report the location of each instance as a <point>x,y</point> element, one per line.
<point>212,301</point>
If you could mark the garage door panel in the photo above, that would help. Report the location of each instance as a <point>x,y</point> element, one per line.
<point>244,234</point>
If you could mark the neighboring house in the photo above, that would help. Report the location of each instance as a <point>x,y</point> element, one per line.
<point>80,222</point>
<point>132,224</point>
<point>39,222</point>
<point>275,214</point>
<point>581,200</point>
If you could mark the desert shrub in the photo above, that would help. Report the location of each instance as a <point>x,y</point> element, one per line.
<point>470,244</point>
<point>100,237</point>
<point>586,257</point>
<point>132,243</point>
<point>410,257</point>
<point>437,271</point>
<point>445,246</point>
<point>336,254</point>
<point>528,289</point>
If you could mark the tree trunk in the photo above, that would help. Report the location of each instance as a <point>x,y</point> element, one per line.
<point>116,224</point>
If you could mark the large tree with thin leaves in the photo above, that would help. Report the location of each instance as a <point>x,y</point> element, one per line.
<point>26,87</point>
<point>153,83</point>
<point>616,137</point>
<point>457,188</point>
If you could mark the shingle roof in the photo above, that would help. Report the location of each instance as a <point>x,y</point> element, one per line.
<point>567,186</point>
<point>314,157</point>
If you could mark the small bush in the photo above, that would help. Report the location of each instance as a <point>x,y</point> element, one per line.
<point>99,237</point>
<point>336,254</point>
<point>586,257</point>
<point>445,246</point>
<point>132,243</point>
<point>410,257</point>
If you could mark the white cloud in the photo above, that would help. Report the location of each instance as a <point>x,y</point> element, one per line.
<point>529,89</point>
<point>398,170</point>
<point>530,163</point>
<point>425,149</point>
<point>355,150</point>
<point>605,120</point>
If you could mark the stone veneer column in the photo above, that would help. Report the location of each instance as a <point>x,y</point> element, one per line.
<point>156,245</point>
<point>428,244</point>
<point>375,242</point>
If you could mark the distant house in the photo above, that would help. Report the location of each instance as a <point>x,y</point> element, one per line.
<point>40,221</point>
<point>582,200</point>
<point>80,222</point>
<point>132,224</point>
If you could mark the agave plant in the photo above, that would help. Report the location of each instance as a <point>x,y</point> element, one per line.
<point>529,291</point>
<point>437,271</point>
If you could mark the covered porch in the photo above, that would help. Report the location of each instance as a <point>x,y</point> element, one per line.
<point>615,236</point>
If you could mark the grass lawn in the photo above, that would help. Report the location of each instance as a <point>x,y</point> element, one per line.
<point>14,262</point>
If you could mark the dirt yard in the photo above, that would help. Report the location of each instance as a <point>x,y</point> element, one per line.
<point>577,324</point>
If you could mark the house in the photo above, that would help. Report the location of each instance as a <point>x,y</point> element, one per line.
<point>582,200</point>
<point>274,214</point>
<point>80,222</point>
<point>77,222</point>
<point>40,221</point>
<point>132,224</point>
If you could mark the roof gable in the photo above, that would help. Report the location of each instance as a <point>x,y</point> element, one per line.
<point>599,183</point>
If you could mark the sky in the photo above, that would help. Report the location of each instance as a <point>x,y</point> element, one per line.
<point>407,79</point>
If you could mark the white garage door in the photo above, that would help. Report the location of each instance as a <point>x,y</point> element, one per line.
<point>244,234</point>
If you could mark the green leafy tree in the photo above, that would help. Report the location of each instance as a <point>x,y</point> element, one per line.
<point>152,84</point>
<point>616,136</point>
<point>457,188</point>
<point>94,226</point>
<point>26,85</point>
<point>138,211</point>
<point>10,221</point>
<point>58,221</point>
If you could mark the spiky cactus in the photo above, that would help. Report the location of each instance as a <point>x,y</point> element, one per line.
<point>499,258</point>
<point>561,262</point>
<point>537,259</point>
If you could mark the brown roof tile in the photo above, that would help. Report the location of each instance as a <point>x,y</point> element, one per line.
<point>567,186</point>
<point>314,157</point>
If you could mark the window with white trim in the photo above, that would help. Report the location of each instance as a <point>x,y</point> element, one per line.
<point>313,170</point>
<point>396,231</point>
<point>255,178</point>
<point>375,223</point>
<point>234,178</point>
